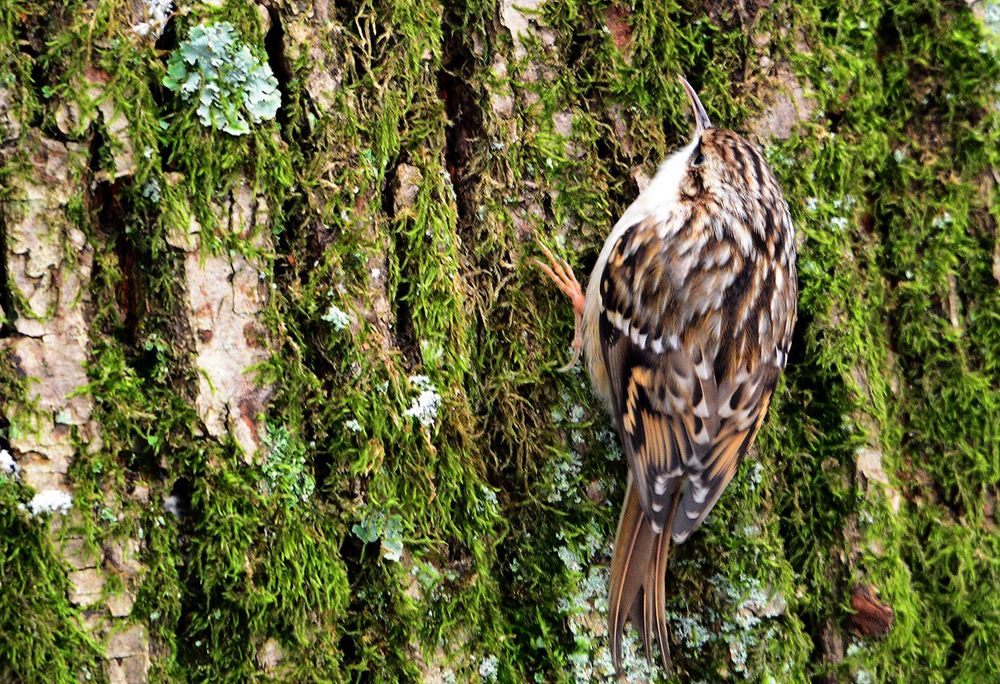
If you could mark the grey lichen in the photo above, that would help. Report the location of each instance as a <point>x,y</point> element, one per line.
<point>387,528</point>
<point>420,152</point>
<point>231,85</point>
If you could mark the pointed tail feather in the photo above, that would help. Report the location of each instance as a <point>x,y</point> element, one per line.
<point>638,580</point>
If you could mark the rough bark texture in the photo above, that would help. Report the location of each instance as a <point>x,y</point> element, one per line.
<point>284,405</point>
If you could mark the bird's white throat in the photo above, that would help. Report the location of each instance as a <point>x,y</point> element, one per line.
<point>655,202</point>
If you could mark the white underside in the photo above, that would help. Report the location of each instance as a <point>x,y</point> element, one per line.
<point>656,202</point>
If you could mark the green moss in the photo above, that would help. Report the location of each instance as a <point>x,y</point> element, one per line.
<point>44,638</point>
<point>503,502</point>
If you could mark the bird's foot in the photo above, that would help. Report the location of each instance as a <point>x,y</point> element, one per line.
<point>560,272</point>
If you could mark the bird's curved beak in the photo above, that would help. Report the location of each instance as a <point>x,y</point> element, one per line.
<point>701,120</point>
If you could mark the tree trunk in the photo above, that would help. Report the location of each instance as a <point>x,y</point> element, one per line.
<point>280,390</point>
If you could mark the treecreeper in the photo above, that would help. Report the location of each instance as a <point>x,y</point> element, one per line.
<point>685,327</point>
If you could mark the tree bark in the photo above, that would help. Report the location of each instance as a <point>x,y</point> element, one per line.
<point>279,393</point>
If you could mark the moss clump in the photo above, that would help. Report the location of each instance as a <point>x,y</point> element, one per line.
<point>416,156</point>
<point>44,638</point>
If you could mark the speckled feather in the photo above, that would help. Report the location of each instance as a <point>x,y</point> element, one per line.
<point>696,315</point>
<point>687,324</point>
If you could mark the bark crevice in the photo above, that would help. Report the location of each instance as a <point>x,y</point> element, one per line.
<point>274,45</point>
<point>465,121</point>
<point>8,312</point>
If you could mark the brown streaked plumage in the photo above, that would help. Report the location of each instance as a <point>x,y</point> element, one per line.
<point>685,326</point>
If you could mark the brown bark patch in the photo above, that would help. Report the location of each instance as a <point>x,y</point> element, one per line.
<point>872,617</point>
<point>616,18</point>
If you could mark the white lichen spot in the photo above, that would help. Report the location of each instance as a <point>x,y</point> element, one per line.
<point>152,191</point>
<point>562,477</point>
<point>172,505</point>
<point>569,559</point>
<point>612,447</point>
<point>838,222</point>
<point>576,413</point>
<point>689,631</point>
<point>898,155</point>
<point>337,317</point>
<point>157,13</point>
<point>738,655</point>
<point>424,407</point>
<point>353,425</point>
<point>50,501</point>
<point>489,502</point>
<point>488,668</point>
<point>941,221</point>
<point>8,466</point>
<point>991,17</point>
<point>811,204</point>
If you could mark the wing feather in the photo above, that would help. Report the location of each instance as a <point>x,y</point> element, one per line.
<point>689,387</point>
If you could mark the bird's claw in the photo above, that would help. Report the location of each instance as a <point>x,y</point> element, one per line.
<point>577,350</point>
<point>562,275</point>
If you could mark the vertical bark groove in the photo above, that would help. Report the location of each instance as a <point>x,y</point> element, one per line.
<point>297,384</point>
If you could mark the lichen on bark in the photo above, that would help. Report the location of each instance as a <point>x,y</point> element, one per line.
<point>300,383</point>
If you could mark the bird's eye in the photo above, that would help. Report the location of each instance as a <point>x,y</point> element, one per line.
<point>698,158</point>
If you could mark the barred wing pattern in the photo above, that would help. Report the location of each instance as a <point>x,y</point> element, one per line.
<point>694,332</point>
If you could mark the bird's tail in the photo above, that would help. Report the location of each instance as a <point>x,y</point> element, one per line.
<point>638,579</point>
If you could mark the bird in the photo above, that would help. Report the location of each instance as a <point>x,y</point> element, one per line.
<point>685,326</point>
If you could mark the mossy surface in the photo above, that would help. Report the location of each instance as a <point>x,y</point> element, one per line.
<point>435,501</point>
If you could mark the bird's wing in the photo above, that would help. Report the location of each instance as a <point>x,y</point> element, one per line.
<point>690,359</point>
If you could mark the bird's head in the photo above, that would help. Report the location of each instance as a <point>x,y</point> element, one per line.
<point>721,162</point>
